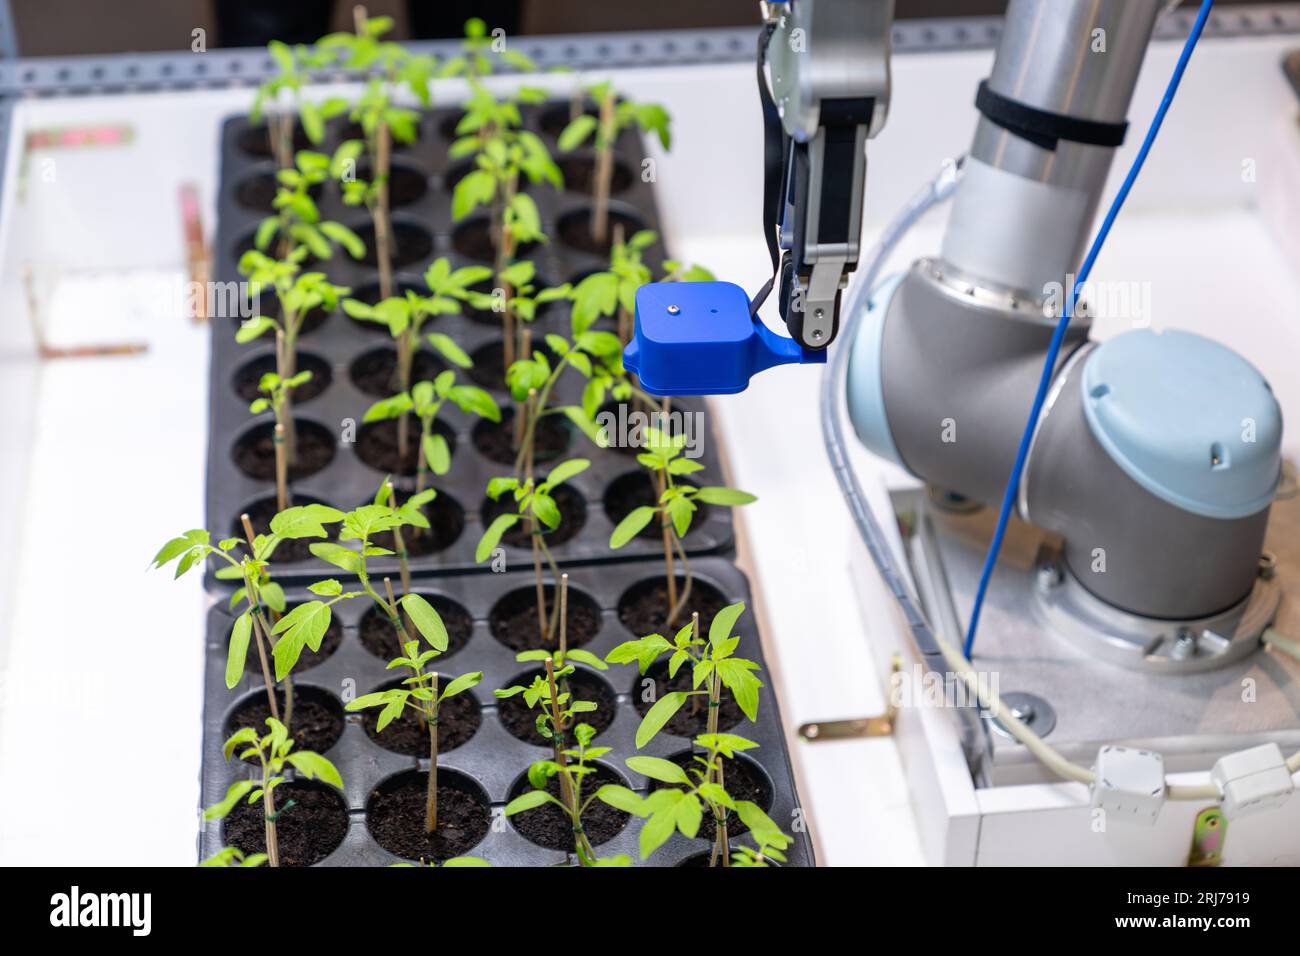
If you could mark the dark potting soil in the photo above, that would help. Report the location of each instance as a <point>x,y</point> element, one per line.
<point>495,441</point>
<point>513,619</point>
<point>410,244</point>
<point>548,826</point>
<point>573,515</point>
<point>256,140</point>
<point>352,130</point>
<point>316,723</point>
<point>574,229</point>
<point>643,608</point>
<point>554,119</point>
<point>521,721</point>
<point>446,523</point>
<point>473,239</point>
<point>380,638</point>
<point>269,305</point>
<point>254,450</point>
<point>743,781</point>
<point>377,444</point>
<point>405,183</point>
<point>312,823</point>
<point>693,718</point>
<point>257,192</point>
<point>459,718</point>
<point>250,375</point>
<point>375,372</point>
<point>447,127</point>
<point>636,490</point>
<point>489,368</point>
<point>260,514</point>
<point>580,175</point>
<point>395,818</point>
<point>329,643</point>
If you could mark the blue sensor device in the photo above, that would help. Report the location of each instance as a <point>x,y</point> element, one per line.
<point>698,338</point>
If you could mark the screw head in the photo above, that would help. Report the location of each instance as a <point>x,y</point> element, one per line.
<point>674,309</point>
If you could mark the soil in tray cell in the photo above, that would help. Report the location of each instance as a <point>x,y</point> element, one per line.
<point>743,779</point>
<point>580,175</point>
<point>395,816</point>
<point>375,372</point>
<point>693,718</point>
<point>254,450</point>
<point>249,377</point>
<point>378,445</point>
<point>636,490</point>
<point>260,514</point>
<point>573,515</point>
<point>495,441</point>
<point>574,229</point>
<point>410,244</point>
<point>473,240</point>
<point>549,827</point>
<point>380,638</point>
<point>513,619</point>
<point>446,523</point>
<point>643,608</point>
<point>329,643</point>
<point>406,184</point>
<point>312,823</point>
<point>315,724</point>
<point>521,721</point>
<point>459,718</point>
<point>256,140</point>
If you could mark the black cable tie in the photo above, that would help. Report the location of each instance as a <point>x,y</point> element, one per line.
<point>1043,128</point>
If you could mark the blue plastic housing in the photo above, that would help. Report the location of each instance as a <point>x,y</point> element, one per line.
<point>698,338</point>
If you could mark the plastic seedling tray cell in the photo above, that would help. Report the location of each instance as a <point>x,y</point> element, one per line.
<point>349,359</point>
<point>492,761</point>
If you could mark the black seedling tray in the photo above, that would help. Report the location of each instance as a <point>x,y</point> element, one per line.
<point>340,342</point>
<point>492,761</point>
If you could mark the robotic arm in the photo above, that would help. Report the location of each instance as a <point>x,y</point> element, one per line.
<point>823,80</point>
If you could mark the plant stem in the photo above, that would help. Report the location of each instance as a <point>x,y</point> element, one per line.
<point>504,252</point>
<point>687,579</point>
<point>431,794</point>
<point>286,366</point>
<point>539,410</point>
<point>268,814</point>
<point>564,614</point>
<point>567,796</point>
<point>604,169</point>
<point>404,568</point>
<point>255,607</point>
<point>281,468</point>
<point>720,848</point>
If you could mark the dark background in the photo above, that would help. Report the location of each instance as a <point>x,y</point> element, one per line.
<point>60,27</point>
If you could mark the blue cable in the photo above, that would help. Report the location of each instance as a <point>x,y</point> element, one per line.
<point>1053,350</point>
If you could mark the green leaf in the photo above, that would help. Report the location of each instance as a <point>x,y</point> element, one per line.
<point>344,237</point>
<point>585,657</point>
<point>576,132</point>
<point>461,684</point>
<point>631,526</point>
<point>657,768</point>
<point>529,801</point>
<point>475,188</point>
<point>305,521</point>
<point>566,470</point>
<point>688,816</point>
<point>304,626</point>
<point>492,536</point>
<point>337,555</point>
<point>254,328</point>
<point>437,454</point>
<point>313,766</point>
<point>426,620</point>
<point>724,496</point>
<point>621,798</point>
<point>327,588</point>
<point>237,791</point>
<point>723,622</point>
<point>312,122</point>
<point>659,714</point>
<point>452,352</point>
<point>737,676</point>
<point>659,828</point>
<point>237,654</point>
